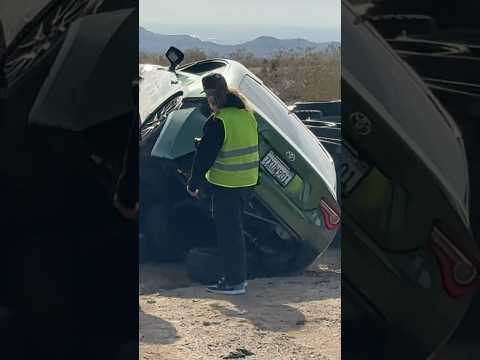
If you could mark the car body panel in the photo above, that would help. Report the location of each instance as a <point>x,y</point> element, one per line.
<point>408,185</point>
<point>157,87</point>
<point>180,126</point>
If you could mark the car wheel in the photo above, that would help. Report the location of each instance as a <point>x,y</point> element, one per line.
<point>276,256</point>
<point>277,264</point>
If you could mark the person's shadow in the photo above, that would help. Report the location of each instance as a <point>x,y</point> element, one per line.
<point>267,303</point>
<point>155,331</point>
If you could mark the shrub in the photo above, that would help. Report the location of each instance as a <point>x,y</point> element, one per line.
<point>292,75</point>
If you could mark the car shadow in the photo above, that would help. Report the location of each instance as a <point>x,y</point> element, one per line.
<point>155,331</point>
<point>269,303</point>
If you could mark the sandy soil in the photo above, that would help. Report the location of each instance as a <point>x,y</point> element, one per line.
<point>279,318</point>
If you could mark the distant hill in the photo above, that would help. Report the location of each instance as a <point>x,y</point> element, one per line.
<point>264,46</point>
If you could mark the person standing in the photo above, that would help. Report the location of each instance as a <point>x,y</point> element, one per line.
<point>227,158</point>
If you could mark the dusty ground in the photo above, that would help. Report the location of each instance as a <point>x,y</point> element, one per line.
<point>279,318</point>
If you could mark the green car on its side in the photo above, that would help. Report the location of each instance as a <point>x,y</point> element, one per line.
<point>410,261</point>
<point>295,202</point>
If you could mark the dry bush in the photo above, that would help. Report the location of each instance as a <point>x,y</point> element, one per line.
<point>307,76</point>
<point>292,75</point>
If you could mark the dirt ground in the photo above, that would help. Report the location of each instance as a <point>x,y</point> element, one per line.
<point>279,318</point>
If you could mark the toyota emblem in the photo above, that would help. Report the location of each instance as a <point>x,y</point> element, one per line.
<point>361,123</point>
<point>290,155</point>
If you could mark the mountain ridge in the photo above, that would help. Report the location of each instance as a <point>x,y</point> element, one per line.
<point>262,46</point>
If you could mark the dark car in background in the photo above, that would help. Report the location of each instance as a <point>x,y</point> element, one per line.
<point>318,110</point>
<point>324,119</point>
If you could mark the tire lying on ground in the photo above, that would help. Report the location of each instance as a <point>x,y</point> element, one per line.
<point>205,265</point>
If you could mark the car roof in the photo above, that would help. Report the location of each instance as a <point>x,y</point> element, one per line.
<point>232,71</point>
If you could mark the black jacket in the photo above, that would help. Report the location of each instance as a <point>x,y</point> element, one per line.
<point>207,151</point>
<point>210,145</point>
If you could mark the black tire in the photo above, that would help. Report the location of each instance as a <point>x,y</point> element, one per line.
<point>278,264</point>
<point>277,257</point>
<point>204,265</point>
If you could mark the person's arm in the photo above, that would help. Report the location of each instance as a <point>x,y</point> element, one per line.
<point>207,152</point>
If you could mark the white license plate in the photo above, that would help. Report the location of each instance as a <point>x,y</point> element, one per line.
<point>353,169</point>
<point>277,168</point>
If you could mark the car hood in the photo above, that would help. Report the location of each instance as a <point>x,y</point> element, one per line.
<point>156,86</point>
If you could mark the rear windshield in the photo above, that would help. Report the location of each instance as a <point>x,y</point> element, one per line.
<point>203,67</point>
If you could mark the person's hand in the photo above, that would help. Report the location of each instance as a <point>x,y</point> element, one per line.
<point>194,194</point>
<point>128,213</point>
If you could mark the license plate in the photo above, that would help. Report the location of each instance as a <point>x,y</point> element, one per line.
<point>353,169</point>
<point>277,168</point>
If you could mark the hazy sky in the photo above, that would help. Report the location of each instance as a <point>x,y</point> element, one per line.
<point>311,13</point>
<point>274,14</point>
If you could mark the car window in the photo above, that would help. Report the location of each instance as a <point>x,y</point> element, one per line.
<point>275,111</point>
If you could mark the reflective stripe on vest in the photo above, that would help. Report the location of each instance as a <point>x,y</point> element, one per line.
<point>235,167</point>
<point>238,160</point>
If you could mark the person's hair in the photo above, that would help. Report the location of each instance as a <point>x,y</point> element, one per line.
<point>232,98</point>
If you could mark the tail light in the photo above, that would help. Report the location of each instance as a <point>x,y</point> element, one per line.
<point>331,218</point>
<point>459,273</point>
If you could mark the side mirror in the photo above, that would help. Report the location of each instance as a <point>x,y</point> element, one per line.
<point>175,57</point>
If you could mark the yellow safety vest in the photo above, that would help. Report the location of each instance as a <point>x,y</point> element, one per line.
<point>237,163</point>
